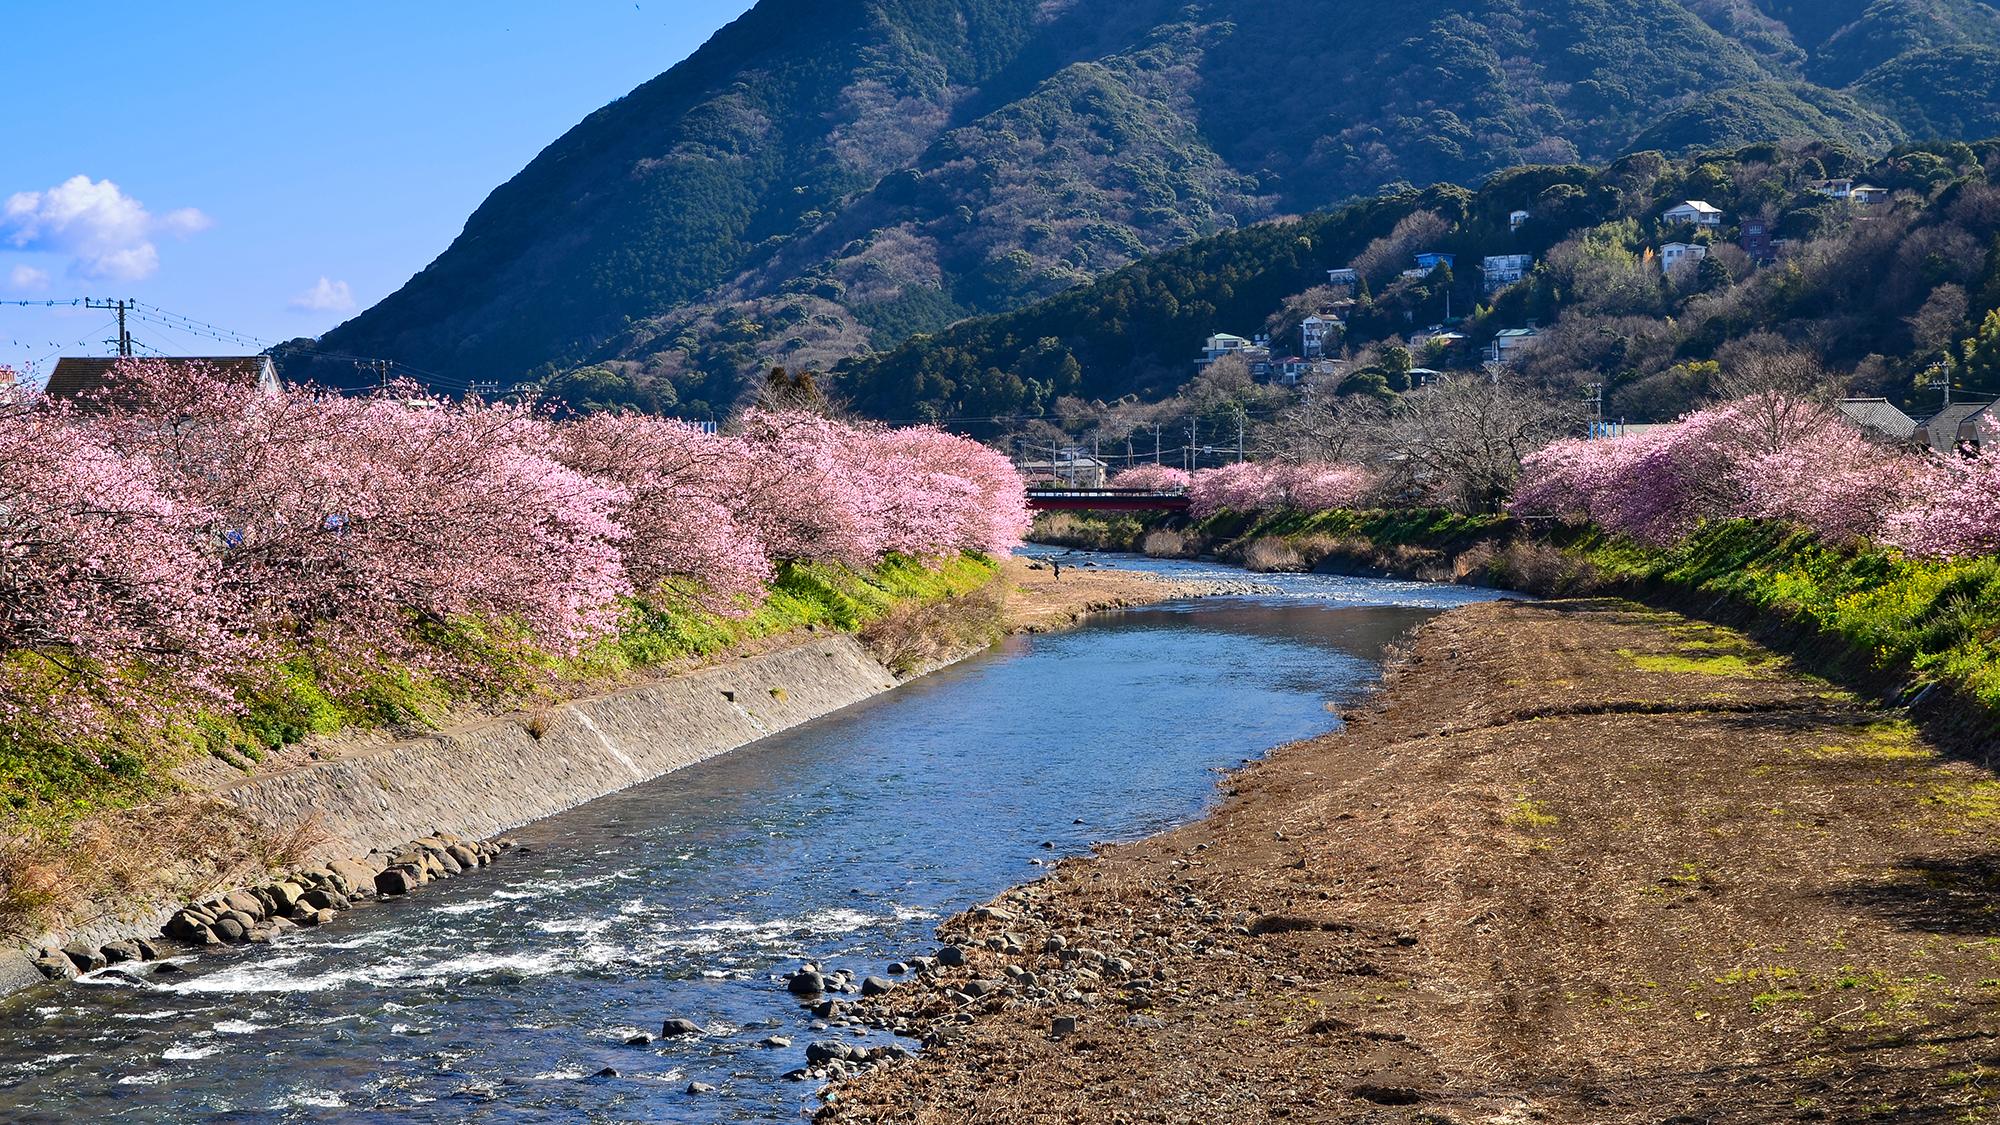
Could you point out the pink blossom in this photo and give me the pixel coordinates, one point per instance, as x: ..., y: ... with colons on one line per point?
x: 1158, y: 478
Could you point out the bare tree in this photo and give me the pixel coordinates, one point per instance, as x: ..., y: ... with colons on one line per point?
x: 1329, y: 427
x: 1386, y: 256
x: 1459, y: 443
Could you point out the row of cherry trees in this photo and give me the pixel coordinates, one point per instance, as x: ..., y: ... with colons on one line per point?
x: 166, y: 538
x: 1764, y: 456
x: 1771, y: 456
x: 1257, y: 486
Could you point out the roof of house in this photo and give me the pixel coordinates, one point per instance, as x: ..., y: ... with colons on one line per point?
x: 1699, y: 206
x: 82, y: 376
x: 1942, y: 430
x: 1228, y: 336
x: 1520, y: 333
x: 1880, y: 415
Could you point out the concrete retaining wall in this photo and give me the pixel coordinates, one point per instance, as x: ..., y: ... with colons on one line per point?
x: 498, y: 775
x: 484, y: 779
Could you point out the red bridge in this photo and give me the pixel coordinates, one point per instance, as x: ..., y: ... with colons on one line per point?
x: 1105, y: 500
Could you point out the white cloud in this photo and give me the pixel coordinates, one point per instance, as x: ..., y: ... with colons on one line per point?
x: 106, y: 234
x: 327, y: 296
x: 25, y: 278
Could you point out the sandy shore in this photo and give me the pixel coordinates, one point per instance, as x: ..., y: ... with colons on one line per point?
x: 1586, y: 862
x: 1039, y: 599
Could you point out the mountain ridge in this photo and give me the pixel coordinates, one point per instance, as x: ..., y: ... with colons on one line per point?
x: 822, y: 180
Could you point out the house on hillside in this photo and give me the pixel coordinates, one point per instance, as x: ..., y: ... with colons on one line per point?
x: 1868, y: 195
x: 87, y: 380
x: 1958, y: 428
x: 1695, y: 211
x: 1219, y: 345
x: 1436, y: 334
x: 1880, y: 417
x: 1511, y: 343
x: 1675, y: 255
x: 1347, y: 277
x: 1505, y: 269
x: 1757, y: 242
x: 1516, y: 220
x: 1834, y: 189
x: 1315, y: 331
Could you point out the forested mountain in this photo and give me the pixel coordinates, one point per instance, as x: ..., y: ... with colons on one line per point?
x: 1888, y: 297
x: 828, y: 176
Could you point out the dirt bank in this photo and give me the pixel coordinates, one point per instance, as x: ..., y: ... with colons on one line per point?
x: 1040, y: 600
x: 1587, y: 862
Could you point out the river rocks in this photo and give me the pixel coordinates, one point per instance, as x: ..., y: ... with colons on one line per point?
x: 120, y: 951
x: 639, y: 1040
x: 875, y: 986
x: 54, y: 965
x: 699, y: 1088
x: 1062, y: 1027
x: 775, y: 1042
x: 828, y: 1050
x: 951, y: 956
x: 307, y: 896
x: 806, y: 982
x: 677, y: 1028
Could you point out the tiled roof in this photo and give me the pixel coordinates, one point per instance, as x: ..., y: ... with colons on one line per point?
x: 1880, y: 415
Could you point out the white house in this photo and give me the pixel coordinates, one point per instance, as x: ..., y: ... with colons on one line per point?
x: 1516, y: 220
x: 1219, y: 345
x: 1868, y: 195
x: 1506, y: 269
x: 1834, y: 189
x: 1512, y: 342
x: 1674, y: 255
x: 1314, y: 332
x: 1694, y: 211
x: 1343, y: 277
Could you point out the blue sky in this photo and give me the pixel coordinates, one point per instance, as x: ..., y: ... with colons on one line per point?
x: 275, y: 167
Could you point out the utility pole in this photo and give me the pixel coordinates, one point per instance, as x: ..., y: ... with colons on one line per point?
x: 1594, y: 393
x: 1193, y: 428
x: 1239, y: 435
x: 1156, y: 443
x: 124, y: 337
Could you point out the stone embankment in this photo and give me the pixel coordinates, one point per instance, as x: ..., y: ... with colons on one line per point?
x: 308, y: 896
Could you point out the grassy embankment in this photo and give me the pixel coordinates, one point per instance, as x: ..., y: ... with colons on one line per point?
x: 84, y: 820
x: 1865, y: 614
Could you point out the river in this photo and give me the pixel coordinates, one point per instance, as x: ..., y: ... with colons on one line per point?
x: 500, y: 996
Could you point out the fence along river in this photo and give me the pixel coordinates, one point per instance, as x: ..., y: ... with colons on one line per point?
x: 502, y: 996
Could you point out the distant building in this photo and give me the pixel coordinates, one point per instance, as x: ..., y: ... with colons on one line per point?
x: 1757, y: 242
x: 1675, y: 255
x: 1347, y: 277
x: 1512, y: 342
x: 1425, y: 376
x: 1694, y: 211
x: 1071, y: 467
x: 1516, y: 220
x: 1880, y: 417
x: 1957, y: 428
x: 1293, y: 369
x: 1506, y: 269
x: 1436, y: 334
x: 1314, y: 331
x: 1430, y: 260
x: 1834, y: 189
x: 1868, y: 195
x: 1219, y: 345
x: 86, y: 380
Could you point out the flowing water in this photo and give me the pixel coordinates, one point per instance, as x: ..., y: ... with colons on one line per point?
x: 500, y: 996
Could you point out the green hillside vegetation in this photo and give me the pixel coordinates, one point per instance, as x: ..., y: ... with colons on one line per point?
x: 1884, y: 296
x: 821, y: 180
